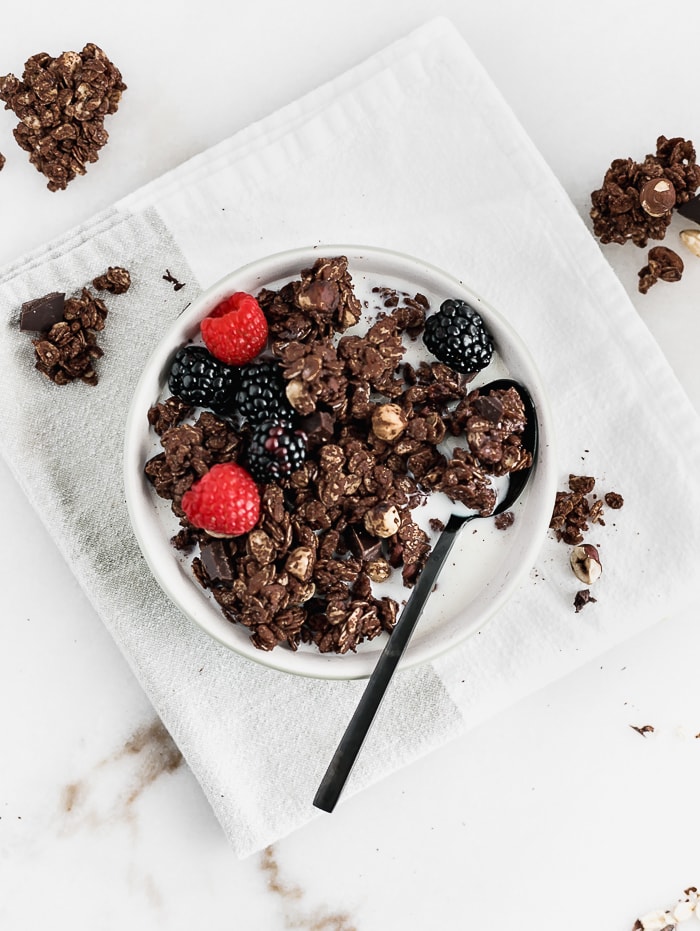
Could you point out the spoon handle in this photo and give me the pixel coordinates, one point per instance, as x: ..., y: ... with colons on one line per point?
x: 344, y: 757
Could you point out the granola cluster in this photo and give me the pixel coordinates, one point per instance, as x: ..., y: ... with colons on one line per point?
x: 61, y: 104
x: 66, y: 348
x: 116, y: 280
x: 617, y: 210
x: 343, y: 520
x: 578, y: 507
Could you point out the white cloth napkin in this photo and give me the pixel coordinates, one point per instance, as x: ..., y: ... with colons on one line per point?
x: 414, y: 150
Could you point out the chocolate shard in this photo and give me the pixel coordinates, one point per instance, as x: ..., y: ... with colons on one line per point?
x: 40, y: 314
x: 691, y: 209
x: 216, y: 561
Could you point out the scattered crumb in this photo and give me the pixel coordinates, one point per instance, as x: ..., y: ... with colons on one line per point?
x: 582, y: 599
x: 644, y: 730
x: 173, y: 280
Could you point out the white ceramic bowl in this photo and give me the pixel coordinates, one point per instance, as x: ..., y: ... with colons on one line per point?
x: 485, y: 565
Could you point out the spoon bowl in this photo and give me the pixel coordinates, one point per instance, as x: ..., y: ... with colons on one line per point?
x: 344, y: 758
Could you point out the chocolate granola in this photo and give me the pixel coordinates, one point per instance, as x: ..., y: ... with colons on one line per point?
x: 619, y: 209
x: 66, y: 348
x: 376, y: 427
x: 61, y: 104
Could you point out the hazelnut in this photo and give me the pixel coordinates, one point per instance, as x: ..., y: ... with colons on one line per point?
x: 318, y: 295
x: 383, y: 520
x: 300, y: 563
x: 388, y: 422
x: 299, y: 397
x: 585, y: 563
x: 378, y: 570
x: 691, y: 240
x: 657, y: 197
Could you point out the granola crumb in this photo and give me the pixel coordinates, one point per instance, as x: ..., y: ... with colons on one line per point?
x: 505, y: 520
x: 116, y: 280
x: 583, y: 598
x: 613, y: 500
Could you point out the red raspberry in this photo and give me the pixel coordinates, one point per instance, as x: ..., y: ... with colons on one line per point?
x: 224, y: 501
x: 236, y: 330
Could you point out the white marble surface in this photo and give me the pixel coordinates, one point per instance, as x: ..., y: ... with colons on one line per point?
x: 555, y: 814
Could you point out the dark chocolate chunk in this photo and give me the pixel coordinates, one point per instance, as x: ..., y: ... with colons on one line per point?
x: 362, y: 545
x: 490, y: 408
x: 691, y: 209
x: 216, y: 562
x: 318, y: 426
x: 40, y: 314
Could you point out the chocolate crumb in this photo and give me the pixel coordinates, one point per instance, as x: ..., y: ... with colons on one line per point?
x: 644, y: 730
x: 582, y: 599
x: 2, y: 161
x: 171, y: 279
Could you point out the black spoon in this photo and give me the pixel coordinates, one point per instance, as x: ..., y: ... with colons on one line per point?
x: 344, y: 757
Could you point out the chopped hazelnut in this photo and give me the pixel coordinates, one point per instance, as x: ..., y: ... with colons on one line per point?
x: 383, y: 520
x: 585, y: 563
x: 388, y: 422
x: 691, y: 240
x: 683, y: 910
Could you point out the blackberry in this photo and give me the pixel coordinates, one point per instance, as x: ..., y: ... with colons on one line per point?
x: 197, y: 378
x: 261, y: 393
x: 275, y: 451
x: 457, y: 336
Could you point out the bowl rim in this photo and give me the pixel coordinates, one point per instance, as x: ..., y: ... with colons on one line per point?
x: 273, y: 267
